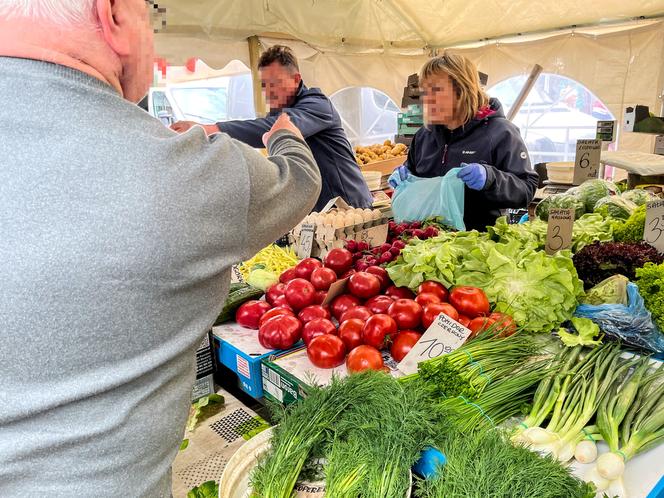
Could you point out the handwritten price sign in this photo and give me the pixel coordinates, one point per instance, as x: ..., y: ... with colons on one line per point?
x: 306, y: 243
x: 559, y: 231
x: 654, y: 229
x: 586, y: 165
x: 442, y: 337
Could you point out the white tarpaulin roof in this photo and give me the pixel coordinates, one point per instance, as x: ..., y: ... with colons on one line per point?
x: 613, y: 47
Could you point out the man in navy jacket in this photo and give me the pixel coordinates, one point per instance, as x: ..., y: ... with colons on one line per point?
x: 313, y: 113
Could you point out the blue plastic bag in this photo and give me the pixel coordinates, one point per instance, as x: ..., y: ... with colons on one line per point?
x: 631, y: 324
x: 417, y: 199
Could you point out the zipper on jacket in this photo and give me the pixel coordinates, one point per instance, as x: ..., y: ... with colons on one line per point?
x: 445, y: 154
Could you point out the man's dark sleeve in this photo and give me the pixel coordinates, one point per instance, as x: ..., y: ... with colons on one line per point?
x: 511, y: 181
x: 311, y: 116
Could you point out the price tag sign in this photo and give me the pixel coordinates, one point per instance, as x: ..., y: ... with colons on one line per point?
x: 306, y: 243
x: 374, y: 236
x: 442, y: 337
x: 654, y: 229
x: 559, y: 231
x: 586, y: 165
x: 236, y: 276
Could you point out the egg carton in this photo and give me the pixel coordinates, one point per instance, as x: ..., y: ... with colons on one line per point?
x: 332, y: 228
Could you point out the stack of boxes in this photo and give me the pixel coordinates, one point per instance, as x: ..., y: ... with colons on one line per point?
x: 412, y: 118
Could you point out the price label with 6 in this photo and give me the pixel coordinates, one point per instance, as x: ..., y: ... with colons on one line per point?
x: 586, y: 165
x: 442, y: 337
x: 654, y: 229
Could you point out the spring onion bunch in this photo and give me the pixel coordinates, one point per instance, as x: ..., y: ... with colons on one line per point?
x: 570, y: 400
x: 631, y: 420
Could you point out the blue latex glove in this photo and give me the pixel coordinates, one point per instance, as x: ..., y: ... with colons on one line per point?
x: 473, y: 175
x: 398, y: 175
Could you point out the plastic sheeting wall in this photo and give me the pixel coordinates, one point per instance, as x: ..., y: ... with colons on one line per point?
x: 621, y: 68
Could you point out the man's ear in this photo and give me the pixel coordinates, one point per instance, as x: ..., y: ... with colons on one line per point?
x: 111, y: 22
x: 298, y: 78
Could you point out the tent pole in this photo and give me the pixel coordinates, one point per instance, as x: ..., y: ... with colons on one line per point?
x: 254, y: 56
x: 523, y: 94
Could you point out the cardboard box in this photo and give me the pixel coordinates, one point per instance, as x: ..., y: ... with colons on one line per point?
x: 238, y: 349
x: 289, y: 377
x: 387, y: 166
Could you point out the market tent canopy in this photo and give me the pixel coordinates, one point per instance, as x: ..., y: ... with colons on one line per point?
x: 361, y: 26
x: 614, y: 48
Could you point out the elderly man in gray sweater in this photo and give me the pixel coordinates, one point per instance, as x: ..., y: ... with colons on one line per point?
x: 117, y: 236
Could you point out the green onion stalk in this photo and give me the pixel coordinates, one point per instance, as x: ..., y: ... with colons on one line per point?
x: 582, y: 391
x: 631, y: 421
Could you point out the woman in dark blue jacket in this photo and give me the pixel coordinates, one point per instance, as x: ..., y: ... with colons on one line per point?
x: 467, y: 129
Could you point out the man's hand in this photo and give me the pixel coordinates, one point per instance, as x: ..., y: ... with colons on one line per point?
x: 182, y: 126
x: 282, y: 123
x: 473, y: 175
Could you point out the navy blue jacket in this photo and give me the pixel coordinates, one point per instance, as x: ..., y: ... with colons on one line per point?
x: 313, y: 113
x: 492, y: 141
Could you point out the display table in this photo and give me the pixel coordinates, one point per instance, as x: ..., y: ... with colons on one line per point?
x: 213, y: 443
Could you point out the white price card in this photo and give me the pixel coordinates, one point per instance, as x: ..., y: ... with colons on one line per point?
x: 559, y: 230
x: 236, y: 276
x: 586, y: 164
x: 306, y: 242
x: 442, y: 337
x: 654, y: 229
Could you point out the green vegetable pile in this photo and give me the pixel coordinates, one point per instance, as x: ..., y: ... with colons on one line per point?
x: 639, y: 196
x: 632, y: 229
x: 586, y: 332
x: 538, y: 290
x: 587, y: 229
x: 615, y: 206
x: 650, y: 280
x: 582, y: 198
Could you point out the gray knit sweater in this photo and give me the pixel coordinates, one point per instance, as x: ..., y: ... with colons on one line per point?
x: 116, y: 240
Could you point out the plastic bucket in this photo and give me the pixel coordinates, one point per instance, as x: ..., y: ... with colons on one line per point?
x: 561, y: 172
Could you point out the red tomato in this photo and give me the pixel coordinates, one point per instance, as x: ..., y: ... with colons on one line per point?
x: 249, y: 314
x: 348, y: 274
x: 274, y: 312
x: 280, y: 332
x: 406, y: 312
x: 287, y: 276
x: 434, y: 288
x: 343, y: 303
x: 361, y: 312
x: 469, y: 301
x: 319, y: 297
x: 326, y: 351
x: 350, y: 331
x: 364, y: 358
x: 399, y: 292
x: 314, y: 328
x: 282, y: 302
x: 364, y: 285
x: 322, y: 278
x: 312, y: 312
x: 378, y: 330
x: 505, y: 324
x: 403, y: 343
x: 381, y: 273
x: 305, y: 267
x: 427, y: 298
x: 300, y: 293
x: 464, y: 320
x: 274, y: 291
x: 431, y: 311
x: 379, y: 304
x: 480, y: 324
x: 339, y: 260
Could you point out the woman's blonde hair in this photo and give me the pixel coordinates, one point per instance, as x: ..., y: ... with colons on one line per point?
x: 465, y: 81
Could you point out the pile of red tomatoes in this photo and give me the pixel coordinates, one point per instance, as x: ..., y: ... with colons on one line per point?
x: 368, y: 316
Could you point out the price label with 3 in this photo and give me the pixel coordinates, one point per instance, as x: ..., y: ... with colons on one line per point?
x: 442, y: 337
x: 653, y: 233
x: 559, y: 231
